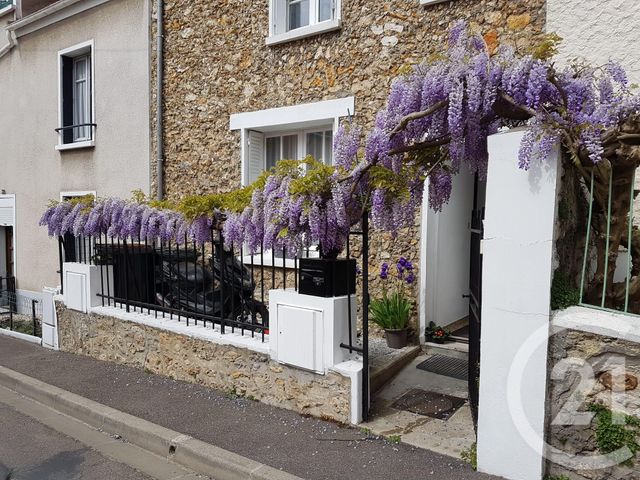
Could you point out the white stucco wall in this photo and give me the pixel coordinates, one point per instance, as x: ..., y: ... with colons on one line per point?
x: 597, y: 30
x: 30, y: 166
x: 445, y: 255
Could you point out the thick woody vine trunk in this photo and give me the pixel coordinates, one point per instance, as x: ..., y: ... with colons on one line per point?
x: 614, y: 181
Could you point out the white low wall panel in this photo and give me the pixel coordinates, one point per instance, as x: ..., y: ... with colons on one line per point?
x: 83, y: 283
x: 298, y: 337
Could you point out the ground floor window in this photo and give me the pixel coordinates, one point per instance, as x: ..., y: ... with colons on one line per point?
x: 291, y: 133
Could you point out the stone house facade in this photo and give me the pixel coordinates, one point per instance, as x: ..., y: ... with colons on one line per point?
x: 226, y: 58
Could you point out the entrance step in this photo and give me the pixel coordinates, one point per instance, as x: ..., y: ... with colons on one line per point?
x: 384, y: 369
x: 454, y: 349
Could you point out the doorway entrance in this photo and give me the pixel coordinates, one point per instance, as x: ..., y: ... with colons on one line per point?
x: 6, y: 252
x: 432, y: 402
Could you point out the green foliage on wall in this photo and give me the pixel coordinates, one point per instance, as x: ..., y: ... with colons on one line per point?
x: 563, y: 293
x: 470, y: 455
x: 613, y: 435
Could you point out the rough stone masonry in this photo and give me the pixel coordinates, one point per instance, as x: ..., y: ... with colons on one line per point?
x: 217, y: 64
x: 238, y: 371
x: 601, y: 354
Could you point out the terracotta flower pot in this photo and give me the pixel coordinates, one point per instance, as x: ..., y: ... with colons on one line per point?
x: 396, y: 338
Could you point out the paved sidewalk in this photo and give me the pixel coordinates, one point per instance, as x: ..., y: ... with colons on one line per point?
x: 306, y: 447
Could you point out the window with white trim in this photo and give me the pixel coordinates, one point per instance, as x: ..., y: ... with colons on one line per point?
x: 76, y: 106
x: 287, y: 133
x: 6, y: 6
x: 293, y: 19
x: 291, y: 133
x: 267, y: 149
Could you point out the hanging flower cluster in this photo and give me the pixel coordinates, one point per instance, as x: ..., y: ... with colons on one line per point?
x: 439, y: 115
x: 300, y: 204
x: 116, y: 218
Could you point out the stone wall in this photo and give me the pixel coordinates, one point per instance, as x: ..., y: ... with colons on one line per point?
x: 600, y: 353
x: 222, y: 367
x: 217, y: 64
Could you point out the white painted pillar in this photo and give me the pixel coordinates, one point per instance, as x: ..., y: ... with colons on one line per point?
x: 49, y: 319
x: 517, y: 268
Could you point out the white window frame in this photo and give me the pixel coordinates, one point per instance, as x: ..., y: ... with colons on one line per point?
x: 301, y: 119
x: 79, y: 50
x: 8, y: 9
x: 431, y: 2
x: 302, y: 139
x: 278, y: 19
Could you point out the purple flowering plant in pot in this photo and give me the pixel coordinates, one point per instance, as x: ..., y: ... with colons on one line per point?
x: 391, y: 312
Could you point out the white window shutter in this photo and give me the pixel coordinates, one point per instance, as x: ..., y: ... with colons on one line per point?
x: 6, y: 216
x: 255, y: 157
x: 279, y: 16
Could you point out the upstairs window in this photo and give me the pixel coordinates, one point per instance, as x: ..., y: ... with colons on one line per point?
x: 293, y: 19
x: 301, y: 13
x: 76, y: 122
x: 6, y: 6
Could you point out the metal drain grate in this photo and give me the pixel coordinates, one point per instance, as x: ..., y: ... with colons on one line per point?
x: 447, y: 366
x: 430, y: 404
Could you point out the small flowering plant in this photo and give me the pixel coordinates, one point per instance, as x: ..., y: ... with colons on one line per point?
x: 435, y: 333
x: 392, y: 311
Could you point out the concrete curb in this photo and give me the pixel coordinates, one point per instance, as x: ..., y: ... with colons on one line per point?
x: 182, y: 449
x: 21, y: 336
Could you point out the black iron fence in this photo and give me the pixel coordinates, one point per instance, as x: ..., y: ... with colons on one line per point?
x: 204, y: 285
x: 19, y: 313
x: 209, y: 285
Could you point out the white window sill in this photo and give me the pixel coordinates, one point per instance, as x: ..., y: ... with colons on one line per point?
x: 308, y: 31
x: 269, y: 261
x: 6, y: 10
x: 431, y: 2
x: 76, y: 145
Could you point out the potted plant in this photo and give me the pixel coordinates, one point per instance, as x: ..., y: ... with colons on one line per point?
x: 436, y: 334
x: 392, y: 311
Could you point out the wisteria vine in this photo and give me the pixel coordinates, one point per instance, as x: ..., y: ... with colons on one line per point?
x: 436, y: 122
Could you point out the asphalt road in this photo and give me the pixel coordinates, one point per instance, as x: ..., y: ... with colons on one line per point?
x: 36, y: 452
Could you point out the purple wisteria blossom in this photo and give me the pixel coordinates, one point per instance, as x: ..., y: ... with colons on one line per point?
x: 436, y: 122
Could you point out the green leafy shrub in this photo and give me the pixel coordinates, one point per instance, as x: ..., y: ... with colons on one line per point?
x: 563, y: 293
x: 470, y: 455
x: 612, y: 436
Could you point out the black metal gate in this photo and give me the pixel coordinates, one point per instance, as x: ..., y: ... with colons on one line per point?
x: 475, y: 298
